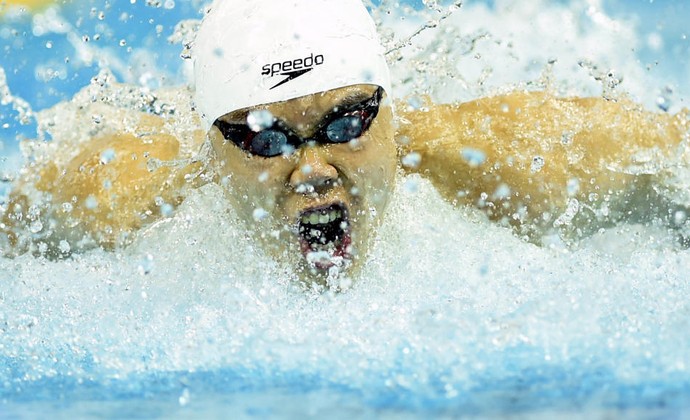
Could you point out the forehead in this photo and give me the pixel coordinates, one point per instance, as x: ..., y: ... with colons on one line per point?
x: 311, y: 108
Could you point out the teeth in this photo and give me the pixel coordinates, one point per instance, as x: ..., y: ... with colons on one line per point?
x: 317, y: 218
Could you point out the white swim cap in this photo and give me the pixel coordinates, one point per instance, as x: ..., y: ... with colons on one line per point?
x: 253, y: 52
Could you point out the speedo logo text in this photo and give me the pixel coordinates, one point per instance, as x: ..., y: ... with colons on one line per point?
x: 292, y: 68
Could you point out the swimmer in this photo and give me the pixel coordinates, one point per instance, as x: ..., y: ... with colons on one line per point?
x: 298, y: 124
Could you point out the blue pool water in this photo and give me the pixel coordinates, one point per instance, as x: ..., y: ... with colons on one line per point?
x: 452, y: 316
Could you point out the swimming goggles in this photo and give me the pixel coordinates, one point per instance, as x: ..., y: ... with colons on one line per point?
x: 341, y: 125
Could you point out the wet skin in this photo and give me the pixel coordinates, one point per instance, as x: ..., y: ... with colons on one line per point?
x: 273, y: 193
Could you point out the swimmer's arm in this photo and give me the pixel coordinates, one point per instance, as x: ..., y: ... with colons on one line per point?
x: 103, y: 193
x: 523, y: 156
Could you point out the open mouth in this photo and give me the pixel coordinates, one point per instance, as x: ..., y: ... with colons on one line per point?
x: 324, y: 234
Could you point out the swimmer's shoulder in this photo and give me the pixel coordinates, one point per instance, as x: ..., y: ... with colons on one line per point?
x: 119, y: 168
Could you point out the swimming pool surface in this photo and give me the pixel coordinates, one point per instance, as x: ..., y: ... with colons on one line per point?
x: 452, y: 316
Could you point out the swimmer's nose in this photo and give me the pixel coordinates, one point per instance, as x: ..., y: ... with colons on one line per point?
x: 313, y: 169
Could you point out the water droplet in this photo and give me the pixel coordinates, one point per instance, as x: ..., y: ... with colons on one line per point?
x: 184, y: 398
x: 502, y: 192
x: 412, y: 160
x: 411, y: 185
x: 567, y: 138
x: 36, y: 226
x: 259, y: 120
x: 306, y: 169
x: 107, y: 156
x: 414, y: 103
x: 186, y: 53
x: 91, y: 202
x: 664, y: 101
x: 573, y: 186
x: 569, y: 214
x: 153, y: 164
x: 662, y: 104
x: 537, y: 164
x: 474, y: 157
x: 123, y: 42
x: 679, y: 217
x: 64, y: 247
x: 145, y: 265
x: 259, y: 214
x: 167, y: 210
x: 263, y: 176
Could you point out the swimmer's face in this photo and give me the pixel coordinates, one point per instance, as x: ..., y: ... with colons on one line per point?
x: 322, y: 190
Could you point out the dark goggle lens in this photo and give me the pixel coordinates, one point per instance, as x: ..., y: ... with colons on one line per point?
x: 345, y: 129
x: 268, y: 143
x: 278, y: 139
